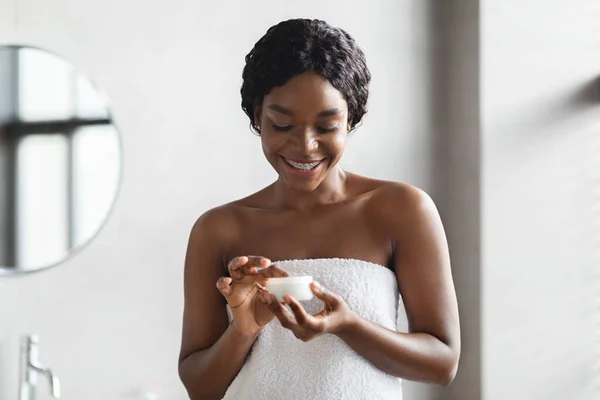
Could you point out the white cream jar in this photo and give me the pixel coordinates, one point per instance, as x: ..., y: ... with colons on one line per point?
x: 296, y: 286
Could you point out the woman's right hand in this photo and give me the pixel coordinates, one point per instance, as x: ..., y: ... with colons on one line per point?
x: 247, y: 281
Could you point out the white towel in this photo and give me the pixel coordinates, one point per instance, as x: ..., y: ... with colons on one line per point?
x: 282, y: 367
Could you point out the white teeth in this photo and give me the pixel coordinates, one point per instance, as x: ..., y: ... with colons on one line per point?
x: 302, y: 166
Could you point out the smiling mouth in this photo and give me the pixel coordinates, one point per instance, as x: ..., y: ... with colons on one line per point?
x: 303, y: 166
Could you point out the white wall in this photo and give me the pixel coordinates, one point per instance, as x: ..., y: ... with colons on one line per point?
x: 541, y: 181
x: 109, y: 318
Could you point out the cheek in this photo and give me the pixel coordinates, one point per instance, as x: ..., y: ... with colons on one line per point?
x: 271, y: 144
x: 339, y: 143
x: 266, y: 147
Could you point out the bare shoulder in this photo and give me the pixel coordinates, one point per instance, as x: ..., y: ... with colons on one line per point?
x: 400, y: 205
x: 396, y: 195
x: 403, y: 196
x: 218, y: 223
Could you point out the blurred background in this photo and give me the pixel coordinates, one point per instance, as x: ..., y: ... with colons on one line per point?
x: 491, y: 106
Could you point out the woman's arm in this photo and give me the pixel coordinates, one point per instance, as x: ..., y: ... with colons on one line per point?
x: 212, y: 350
x: 206, y: 374
x: 418, y: 357
x: 430, y: 352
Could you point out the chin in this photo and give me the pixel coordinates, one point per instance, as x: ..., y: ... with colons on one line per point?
x: 306, y: 187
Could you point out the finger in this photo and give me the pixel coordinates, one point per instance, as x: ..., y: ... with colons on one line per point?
x: 224, y: 286
x: 302, y: 317
x: 235, y: 265
x: 255, y: 264
x: 273, y: 271
x: 246, y: 266
x: 283, y: 314
x: 324, y: 294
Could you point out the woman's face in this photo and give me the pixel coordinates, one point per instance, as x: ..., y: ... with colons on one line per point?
x: 304, y: 126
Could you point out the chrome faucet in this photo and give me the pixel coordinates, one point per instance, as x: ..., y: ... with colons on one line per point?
x: 31, y: 369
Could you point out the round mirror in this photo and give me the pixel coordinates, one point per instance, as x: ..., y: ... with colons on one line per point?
x: 60, y: 160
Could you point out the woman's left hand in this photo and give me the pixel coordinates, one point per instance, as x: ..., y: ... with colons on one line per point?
x: 336, y: 314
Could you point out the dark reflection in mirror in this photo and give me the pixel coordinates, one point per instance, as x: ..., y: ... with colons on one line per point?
x: 60, y: 159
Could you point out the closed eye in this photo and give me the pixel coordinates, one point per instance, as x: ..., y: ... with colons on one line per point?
x: 285, y: 128
x: 282, y: 128
x: 327, y: 130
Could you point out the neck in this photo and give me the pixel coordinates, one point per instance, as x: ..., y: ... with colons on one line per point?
x: 331, y: 190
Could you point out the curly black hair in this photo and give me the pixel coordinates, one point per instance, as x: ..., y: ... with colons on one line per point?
x: 297, y: 46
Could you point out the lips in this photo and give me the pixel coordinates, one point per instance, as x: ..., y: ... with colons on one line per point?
x: 302, y: 161
x: 304, y: 165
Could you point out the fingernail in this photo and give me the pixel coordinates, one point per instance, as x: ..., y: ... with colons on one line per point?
x: 318, y: 286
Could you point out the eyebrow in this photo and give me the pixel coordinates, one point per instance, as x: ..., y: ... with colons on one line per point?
x: 326, y: 113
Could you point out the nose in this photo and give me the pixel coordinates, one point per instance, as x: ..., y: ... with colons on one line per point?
x: 306, y: 141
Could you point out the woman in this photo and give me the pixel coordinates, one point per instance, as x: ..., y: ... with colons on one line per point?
x: 365, y: 241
